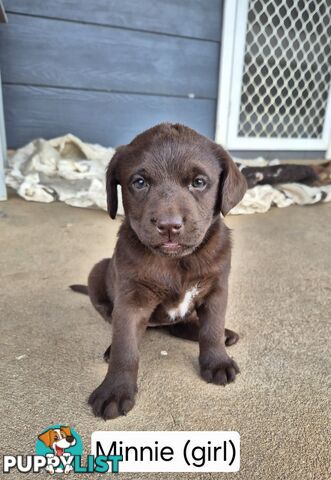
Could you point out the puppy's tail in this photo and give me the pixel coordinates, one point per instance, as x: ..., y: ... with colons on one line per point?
x: 79, y: 288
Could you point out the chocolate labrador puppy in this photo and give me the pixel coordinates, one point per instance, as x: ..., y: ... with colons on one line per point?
x: 172, y: 258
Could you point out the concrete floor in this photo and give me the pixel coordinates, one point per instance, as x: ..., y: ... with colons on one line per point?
x: 52, y: 341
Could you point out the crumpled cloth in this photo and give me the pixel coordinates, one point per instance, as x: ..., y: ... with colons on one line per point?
x: 64, y: 169
x: 261, y: 198
x: 71, y: 171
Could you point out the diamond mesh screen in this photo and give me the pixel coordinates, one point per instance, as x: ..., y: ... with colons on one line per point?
x: 287, y: 69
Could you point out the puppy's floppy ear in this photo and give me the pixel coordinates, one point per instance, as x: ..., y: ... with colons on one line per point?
x: 232, y: 184
x: 45, y: 438
x: 111, y: 183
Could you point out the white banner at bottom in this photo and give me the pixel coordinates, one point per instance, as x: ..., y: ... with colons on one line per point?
x: 170, y: 451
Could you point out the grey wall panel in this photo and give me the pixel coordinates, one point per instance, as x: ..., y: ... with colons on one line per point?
x: 192, y: 18
x: 106, y: 118
x: 280, y: 154
x: 47, y: 52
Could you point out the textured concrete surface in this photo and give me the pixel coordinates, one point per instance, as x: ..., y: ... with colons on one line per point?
x: 52, y: 341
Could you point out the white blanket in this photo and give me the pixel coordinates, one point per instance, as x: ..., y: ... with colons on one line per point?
x: 69, y: 170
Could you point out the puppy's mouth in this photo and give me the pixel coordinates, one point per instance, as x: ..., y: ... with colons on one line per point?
x: 172, y: 248
x: 59, y: 450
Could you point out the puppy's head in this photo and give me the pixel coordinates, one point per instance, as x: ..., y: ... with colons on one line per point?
x: 58, y: 438
x: 174, y: 182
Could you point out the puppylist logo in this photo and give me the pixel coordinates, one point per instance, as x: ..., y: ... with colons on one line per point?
x: 59, y: 449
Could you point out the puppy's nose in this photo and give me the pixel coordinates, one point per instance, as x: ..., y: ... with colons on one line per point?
x: 70, y: 438
x: 169, y: 225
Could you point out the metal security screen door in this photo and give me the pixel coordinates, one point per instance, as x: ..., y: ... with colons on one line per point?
x: 275, y: 75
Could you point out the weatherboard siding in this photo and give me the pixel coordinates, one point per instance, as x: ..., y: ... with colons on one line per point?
x: 105, y: 70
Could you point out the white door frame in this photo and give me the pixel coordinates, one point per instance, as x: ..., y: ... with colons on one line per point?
x: 3, y: 144
x: 3, y: 150
x: 230, y: 79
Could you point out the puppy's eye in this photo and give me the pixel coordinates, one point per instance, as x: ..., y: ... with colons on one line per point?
x: 139, y: 183
x: 199, y: 183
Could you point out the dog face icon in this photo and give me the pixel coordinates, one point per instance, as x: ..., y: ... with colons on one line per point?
x: 58, y: 439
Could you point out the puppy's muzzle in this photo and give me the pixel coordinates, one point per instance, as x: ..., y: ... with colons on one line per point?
x: 168, y: 226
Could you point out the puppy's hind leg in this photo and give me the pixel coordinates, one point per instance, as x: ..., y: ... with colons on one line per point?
x: 106, y: 355
x: 97, y: 289
x: 231, y: 337
x: 190, y: 331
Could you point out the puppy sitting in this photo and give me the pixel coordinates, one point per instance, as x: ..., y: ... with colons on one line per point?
x: 172, y: 258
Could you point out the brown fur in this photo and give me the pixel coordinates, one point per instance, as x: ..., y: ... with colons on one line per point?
x: 175, y: 183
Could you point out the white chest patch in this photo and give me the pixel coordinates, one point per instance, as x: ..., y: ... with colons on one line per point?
x: 182, y: 309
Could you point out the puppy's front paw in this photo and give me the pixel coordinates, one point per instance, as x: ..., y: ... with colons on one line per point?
x: 112, y: 399
x: 220, y: 371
